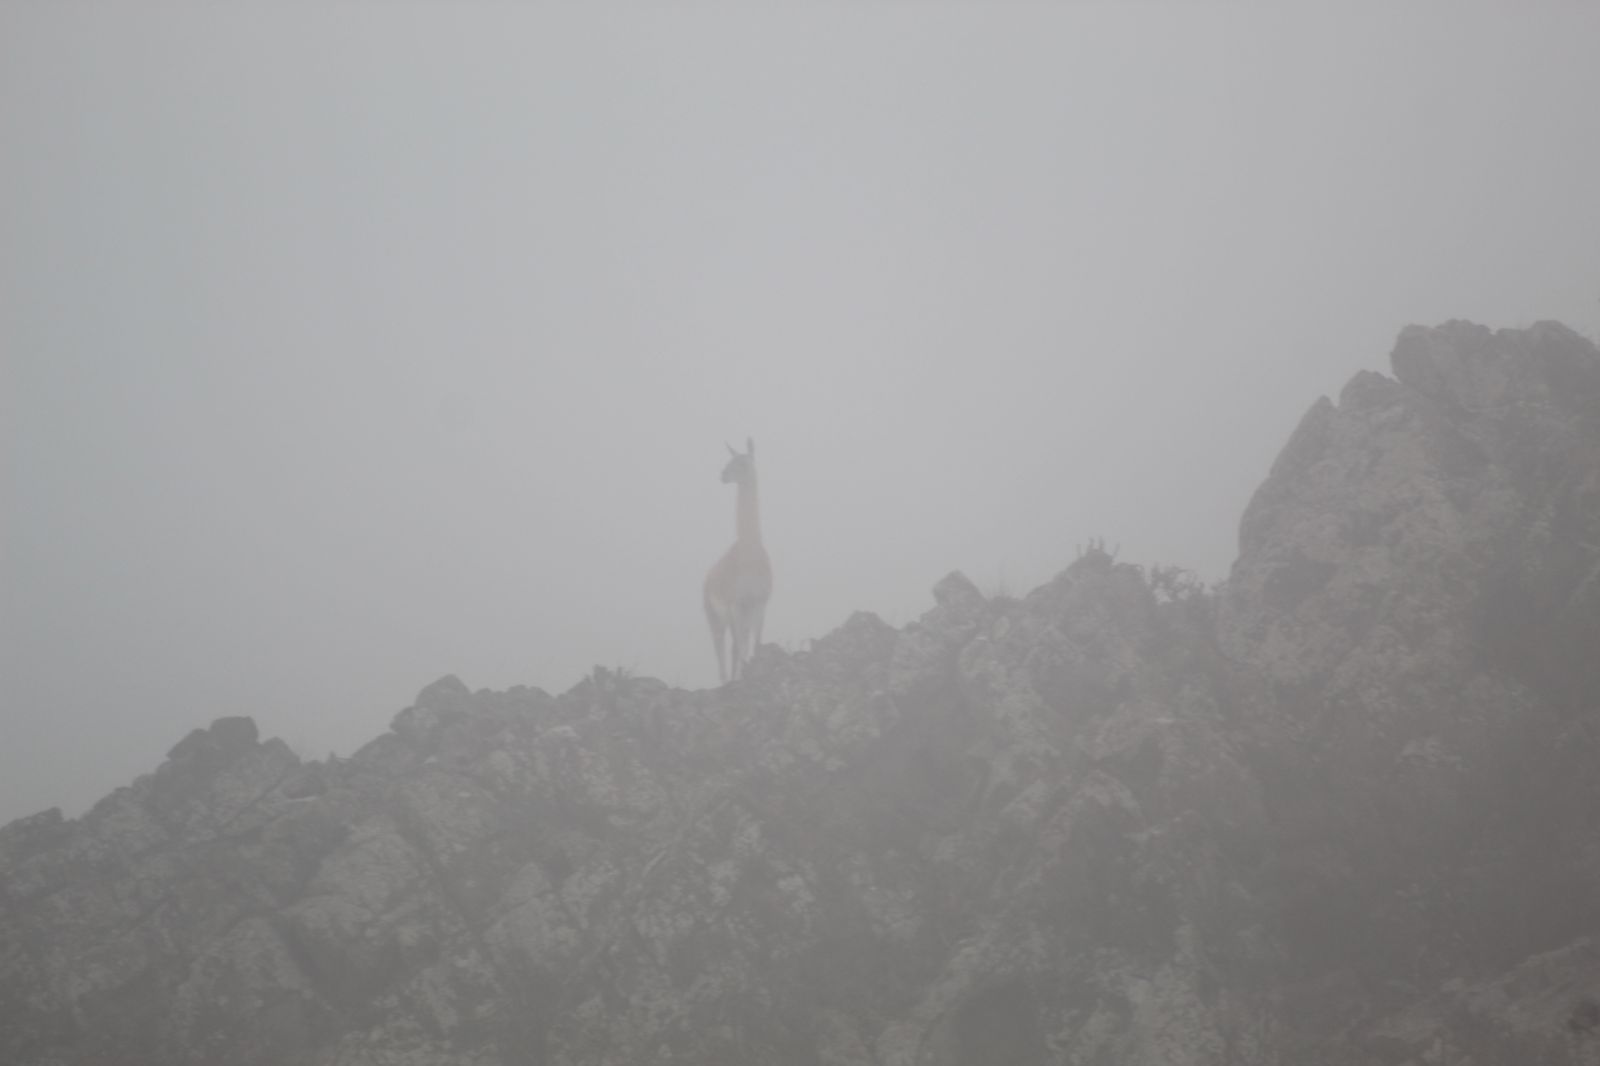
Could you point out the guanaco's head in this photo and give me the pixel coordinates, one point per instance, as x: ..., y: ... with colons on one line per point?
x: 741, y: 467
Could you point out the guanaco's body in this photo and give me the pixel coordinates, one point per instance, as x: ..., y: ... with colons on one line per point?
x: 739, y: 585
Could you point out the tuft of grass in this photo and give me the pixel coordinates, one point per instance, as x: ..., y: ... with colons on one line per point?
x: 1175, y: 584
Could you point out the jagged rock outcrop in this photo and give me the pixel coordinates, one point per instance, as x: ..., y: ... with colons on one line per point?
x: 1342, y: 811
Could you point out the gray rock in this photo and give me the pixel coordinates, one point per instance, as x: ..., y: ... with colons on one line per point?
x: 1339, y: 811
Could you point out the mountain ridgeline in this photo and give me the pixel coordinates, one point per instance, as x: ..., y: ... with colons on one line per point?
x: 1341, y: 810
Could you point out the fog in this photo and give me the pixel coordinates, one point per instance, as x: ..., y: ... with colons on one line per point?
x: 345, y: 347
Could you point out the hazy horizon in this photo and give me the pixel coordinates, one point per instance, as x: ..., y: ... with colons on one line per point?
x: 349, y: 347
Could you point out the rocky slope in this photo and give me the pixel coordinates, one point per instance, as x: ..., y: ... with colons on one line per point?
x: 1345, y: 810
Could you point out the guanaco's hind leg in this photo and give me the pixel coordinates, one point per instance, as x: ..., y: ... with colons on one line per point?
x: 740, y: 635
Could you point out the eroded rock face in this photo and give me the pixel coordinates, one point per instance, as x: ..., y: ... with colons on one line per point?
x: 1404, y: 587
x: 1341, y: 812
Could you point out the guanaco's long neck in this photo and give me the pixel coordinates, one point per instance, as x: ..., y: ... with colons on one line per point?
x: 747, y: 514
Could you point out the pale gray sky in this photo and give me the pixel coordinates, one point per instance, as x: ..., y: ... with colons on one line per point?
x: 347, y: 346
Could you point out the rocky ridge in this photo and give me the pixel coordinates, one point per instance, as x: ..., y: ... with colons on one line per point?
x: 1341, y: 811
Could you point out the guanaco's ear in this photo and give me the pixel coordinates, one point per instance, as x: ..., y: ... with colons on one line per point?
x: 750, y: 447
x: 728, y: 446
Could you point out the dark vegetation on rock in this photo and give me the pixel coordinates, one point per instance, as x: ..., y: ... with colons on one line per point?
x: 1343, y: 810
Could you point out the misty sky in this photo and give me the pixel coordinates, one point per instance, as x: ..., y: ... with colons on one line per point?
x: 343, y: 347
